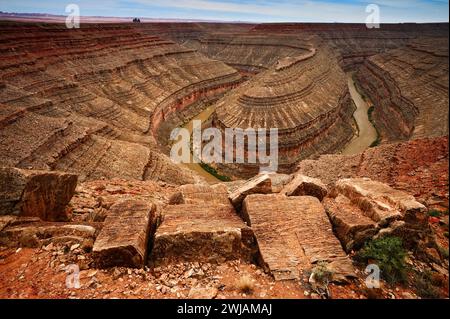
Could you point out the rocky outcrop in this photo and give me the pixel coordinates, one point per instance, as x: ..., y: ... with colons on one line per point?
x: 33, y: 193
x: 418, y: 167
x: 293, y: 235
x: 303, y: 185
x: 33, y: 233
x: 364, y: 209
x: 123, y: 240
x: 203, y: 226
x: 260, y: 184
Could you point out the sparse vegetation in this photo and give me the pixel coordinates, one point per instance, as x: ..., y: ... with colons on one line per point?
x: 370, y: 115
x: 443, y: 252
x: 424, y: 285
x: 246, y: 284
x: 388, y: 253
x: 213, y: 171
x: 321, y: 273
x: 434, y: 213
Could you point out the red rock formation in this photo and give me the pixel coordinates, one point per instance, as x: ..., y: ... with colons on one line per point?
x: 89, y: 100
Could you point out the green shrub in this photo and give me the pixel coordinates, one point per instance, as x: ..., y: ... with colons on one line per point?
x: 389, y: 254
x: 443, y: 251
x: 370, y: 115
x: 213, y: 171
x: 434, y: 213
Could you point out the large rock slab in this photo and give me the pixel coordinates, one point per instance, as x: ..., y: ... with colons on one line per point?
x: 350, y: 225
x: 206, y: 232
x: 198, y: 194
x: 361, y: 209
x: 34, y: 233
x: 381, y: 202
x: 43, y: 194
x: 303, y: 185
x: 123, y: 240
x: 293, y: 235
x: 260, y: 184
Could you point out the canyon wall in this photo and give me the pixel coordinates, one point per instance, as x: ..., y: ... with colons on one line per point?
x: 91, y: 100
x: 305, y: 97
x: 409, y: 89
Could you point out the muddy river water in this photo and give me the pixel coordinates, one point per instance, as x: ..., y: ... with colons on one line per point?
x: 367, y: 133
x: 364, y: 138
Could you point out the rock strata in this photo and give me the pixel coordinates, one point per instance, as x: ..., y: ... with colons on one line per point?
x: 123, y: 240
x: 294, y: 234
x: 364, y: 209
x: 33, y: 193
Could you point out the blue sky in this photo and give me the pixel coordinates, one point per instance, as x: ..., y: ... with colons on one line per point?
x: 246, y: 10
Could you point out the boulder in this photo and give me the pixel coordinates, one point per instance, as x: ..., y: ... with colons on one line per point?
x: 381, y: 202
x: 43, y: 194
x: 361, y: 209
x: 123, y: 240
x: 34, y: 233
x: 207, y: 232
x: 260, y: 184
x: 350, y: 225
x: 303, y: 185
x: 199, y: 193
x: 293, y: 235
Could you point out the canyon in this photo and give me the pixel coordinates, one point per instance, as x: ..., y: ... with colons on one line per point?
x: 86, y: 178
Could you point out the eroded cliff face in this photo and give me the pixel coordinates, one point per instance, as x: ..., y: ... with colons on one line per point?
x: 102, y: 100
x: 409, y: 89
x: 91, y: 100
x: 305, y: 97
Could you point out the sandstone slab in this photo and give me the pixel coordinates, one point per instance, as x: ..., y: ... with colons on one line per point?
x: 198, y: 193
x: 293, y: 234
x: 34, y: 234
x: 206, y: 232
x: 123, y: 240
x: 350, y: 225
x: 303, y: 185
x: 381, y: 202
x: 43, y: 194
x: 361, y: 209
x: 260, y: 184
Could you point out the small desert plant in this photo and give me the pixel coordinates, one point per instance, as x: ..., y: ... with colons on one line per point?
x: 388, y: 254
x: 321, y: 273
x: 423, y: 283
x: 246, y: 284
x: 434, y: 213
x: 443, y: 252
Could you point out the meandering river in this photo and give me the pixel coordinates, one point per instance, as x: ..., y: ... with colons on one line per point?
x: 365, y: 137
x: 367, y: 133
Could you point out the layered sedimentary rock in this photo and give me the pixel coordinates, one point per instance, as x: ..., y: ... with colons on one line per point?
x: 305, y: 97
x: 419, y: 167
x: 123, y: 240
x: 356, y: 42
x: 294, y: 234
x: 92, y: 100
x: 32, y: 193
x: 409, y: 89
x: 304, y: 185
x: 363, y: 209
x: 195, y: 229
x: 33, y: 233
